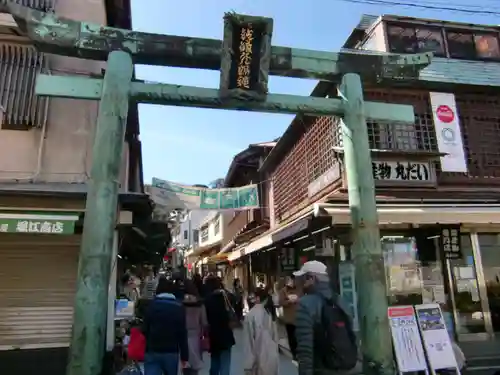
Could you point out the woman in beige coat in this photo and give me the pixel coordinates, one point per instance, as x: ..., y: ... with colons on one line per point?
x: 260, y: 337
x: 196, y: 323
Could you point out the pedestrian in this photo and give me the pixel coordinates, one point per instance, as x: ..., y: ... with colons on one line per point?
x: 179, y: 280
x: 198, y: 281
x: 220, y: 333
x: 165, y: 331
x: 326, y: 342
x: 238, y: 296
x: 130, y: 289
x: 149, y: 285
x: 260, y: 337
x: 196, y: 322
x: 288, y: 299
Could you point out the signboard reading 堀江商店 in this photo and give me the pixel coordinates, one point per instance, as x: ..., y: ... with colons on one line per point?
x: 42, y: 226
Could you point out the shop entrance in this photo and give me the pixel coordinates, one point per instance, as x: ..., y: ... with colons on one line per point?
x: 418, y: 272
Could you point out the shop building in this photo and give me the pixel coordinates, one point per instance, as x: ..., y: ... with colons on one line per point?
x: 46, y: 150
x: 437, y: 181
x: 243, y: 225
x: 210, y: 234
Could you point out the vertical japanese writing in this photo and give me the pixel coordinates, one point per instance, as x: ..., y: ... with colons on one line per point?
x: 450, y: 242
x: 245, y: 57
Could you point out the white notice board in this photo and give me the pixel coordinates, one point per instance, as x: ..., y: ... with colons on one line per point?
x: 408, y: 348
x: 435, y: 336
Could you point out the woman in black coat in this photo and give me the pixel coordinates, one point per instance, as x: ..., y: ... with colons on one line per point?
x: 220, y: 333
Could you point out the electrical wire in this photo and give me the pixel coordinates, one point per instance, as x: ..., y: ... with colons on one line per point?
x: 429, y: 6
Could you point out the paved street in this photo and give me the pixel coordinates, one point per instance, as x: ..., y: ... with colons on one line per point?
x: 287, y: 367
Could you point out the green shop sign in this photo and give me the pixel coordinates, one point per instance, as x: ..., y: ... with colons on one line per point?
x: 47, y: 223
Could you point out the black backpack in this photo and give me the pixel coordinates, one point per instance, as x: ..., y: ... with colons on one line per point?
x: 335, y: 344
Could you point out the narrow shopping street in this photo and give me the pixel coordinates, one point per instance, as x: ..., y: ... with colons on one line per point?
x: 286, y: 368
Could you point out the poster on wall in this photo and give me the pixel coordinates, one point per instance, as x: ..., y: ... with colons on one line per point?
x: 435, y: 337
x: 406, y: 340
x: 347, y: 281
x: 448, y: 134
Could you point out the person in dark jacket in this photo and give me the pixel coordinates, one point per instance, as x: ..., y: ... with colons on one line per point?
x: 314, y: 279
x: 165, y: 331
x: 220, y: 334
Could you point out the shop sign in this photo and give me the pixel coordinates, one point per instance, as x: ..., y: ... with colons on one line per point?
x: 347, y: 281
x: 287, y: 259
x: 402, y: 171
x: 406, y: 339
x: 450, y: 242
x: 46, y: 226
x: 323, y: 181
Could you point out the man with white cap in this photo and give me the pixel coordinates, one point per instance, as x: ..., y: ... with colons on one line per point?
x: 314, y: 332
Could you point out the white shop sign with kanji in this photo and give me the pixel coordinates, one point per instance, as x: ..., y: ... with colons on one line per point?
x: 402, y: 171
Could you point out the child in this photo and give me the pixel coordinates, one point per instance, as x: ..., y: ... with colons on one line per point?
x: 260, y: 337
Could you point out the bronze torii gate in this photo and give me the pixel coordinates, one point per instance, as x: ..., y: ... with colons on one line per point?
x: 245, y: 58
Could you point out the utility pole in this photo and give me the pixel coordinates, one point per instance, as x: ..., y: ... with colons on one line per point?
x: 366, y: 247
x: 249, y: 92
x: 94, y: 267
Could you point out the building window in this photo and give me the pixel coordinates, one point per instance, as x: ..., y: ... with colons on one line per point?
x: 415, y: 40
x: 467, y: 45
x: 196, y: 234
x: 204, y: 234
x: 461, y: 45
x: 185, y: 234
x: 217, y: 226
x: 487, y: 46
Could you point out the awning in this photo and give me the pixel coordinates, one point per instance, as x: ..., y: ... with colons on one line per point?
x: 218, y: 258
x: 271, y: 237
x: 425, y: 213
x: 38, y: 222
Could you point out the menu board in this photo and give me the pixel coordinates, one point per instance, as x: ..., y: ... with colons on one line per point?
x: 435, y: 337
x: 406, y: 339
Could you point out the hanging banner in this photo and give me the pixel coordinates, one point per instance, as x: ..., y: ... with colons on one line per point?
x: 177, y: 196
x: 406, y: 339
x: 435, y: 336
x: 448, y: 134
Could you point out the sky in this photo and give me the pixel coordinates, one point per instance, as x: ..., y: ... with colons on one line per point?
x: 196, y: 146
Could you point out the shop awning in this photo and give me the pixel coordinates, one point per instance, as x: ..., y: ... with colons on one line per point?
x: 425, y: 213
x: 38, y: 222
x: 267, y: 239
x: 218, y: 258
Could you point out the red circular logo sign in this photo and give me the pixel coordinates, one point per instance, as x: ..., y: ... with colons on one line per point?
x: 445, y: 114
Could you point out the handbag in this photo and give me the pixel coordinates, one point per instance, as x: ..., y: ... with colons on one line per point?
x: 233, y: 318
x: 204, y: 342
x: 137, y: 345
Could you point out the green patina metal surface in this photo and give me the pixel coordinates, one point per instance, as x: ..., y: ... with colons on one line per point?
x: 96, y: 254
x: 58, y: 35
x: 366, y: 247
x: 186, y: 96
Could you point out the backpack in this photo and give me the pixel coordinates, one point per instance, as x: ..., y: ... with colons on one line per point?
x: 335, y: 343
